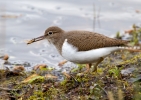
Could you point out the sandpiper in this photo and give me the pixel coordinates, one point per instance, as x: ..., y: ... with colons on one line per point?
x: 83, y: 47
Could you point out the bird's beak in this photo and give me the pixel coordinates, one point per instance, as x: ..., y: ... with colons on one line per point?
x: 36, y: 39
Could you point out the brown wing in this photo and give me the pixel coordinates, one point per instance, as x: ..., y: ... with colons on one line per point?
x: 85, y: 40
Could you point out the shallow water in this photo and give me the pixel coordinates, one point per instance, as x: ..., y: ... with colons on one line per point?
x: 25, y: 20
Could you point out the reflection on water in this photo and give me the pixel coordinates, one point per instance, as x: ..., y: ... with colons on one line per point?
x: 25, y: 20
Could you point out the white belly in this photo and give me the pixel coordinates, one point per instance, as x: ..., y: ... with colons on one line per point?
x: 71, y: 53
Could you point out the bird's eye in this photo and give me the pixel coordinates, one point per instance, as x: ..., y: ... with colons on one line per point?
x: 50, y: 32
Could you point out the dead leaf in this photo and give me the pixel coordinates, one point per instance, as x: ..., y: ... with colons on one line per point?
x: 138, y: 11
x: 49, y: 76
x: 62, y: 63
x: 6, y: 57
x: 18, y: 69
x: 33, y: 78
x: 11, y: 16
x: 40, y: 66
x: 67, y: 75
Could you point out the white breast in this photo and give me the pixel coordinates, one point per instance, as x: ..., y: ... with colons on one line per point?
x: 71, y: 53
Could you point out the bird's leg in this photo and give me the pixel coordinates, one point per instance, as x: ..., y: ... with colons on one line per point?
x: 62, y: 63
x: 88, y: 66
x: 94, y: 69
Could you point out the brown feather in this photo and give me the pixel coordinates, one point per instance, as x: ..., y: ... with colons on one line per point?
x: 86, y: 40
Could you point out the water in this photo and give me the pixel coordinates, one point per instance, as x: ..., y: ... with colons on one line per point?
x: 24, y: 19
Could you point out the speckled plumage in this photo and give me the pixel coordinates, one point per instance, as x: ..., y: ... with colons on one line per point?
x: 83, y: 40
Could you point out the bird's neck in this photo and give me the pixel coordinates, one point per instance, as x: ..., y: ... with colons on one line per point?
x: 58, y: 42
x: 59, y: 45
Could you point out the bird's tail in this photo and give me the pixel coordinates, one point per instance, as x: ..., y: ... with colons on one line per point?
x: 131, y: 48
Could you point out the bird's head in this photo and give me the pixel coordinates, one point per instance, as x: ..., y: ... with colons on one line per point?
x: 52, y: 34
